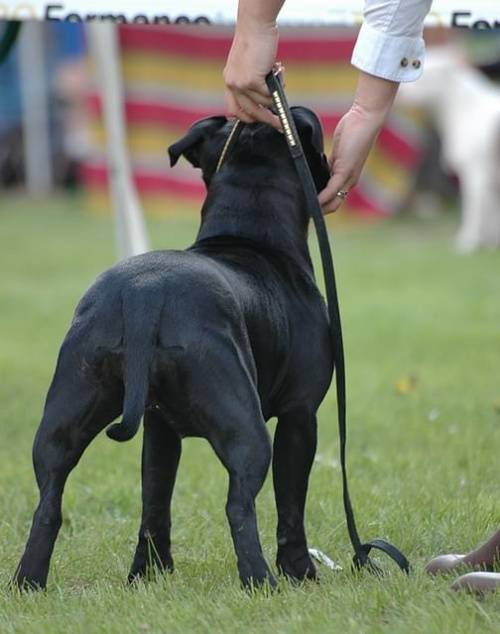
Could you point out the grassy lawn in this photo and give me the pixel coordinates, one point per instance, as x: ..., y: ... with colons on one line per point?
x: 423, y: 461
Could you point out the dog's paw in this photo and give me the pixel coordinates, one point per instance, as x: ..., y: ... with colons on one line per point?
x: 29, y: 576
x: 297, y: 568
x: 148, y: 570
x: 261, y: 583
x: 152, y: 558
x: 23, y: 583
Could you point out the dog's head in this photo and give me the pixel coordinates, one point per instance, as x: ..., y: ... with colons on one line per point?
x: 257, y: 149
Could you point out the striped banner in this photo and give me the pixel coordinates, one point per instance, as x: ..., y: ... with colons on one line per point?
x: 172, y: 77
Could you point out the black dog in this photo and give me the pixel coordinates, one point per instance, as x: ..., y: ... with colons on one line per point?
x: 210, y: 342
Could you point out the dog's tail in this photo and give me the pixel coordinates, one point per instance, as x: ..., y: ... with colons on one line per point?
x: 139, y: 341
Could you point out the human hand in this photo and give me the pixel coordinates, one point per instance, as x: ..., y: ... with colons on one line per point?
x: 252, y: 56
x: 354, y: 137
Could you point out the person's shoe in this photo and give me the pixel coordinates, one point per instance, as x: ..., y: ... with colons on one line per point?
x: 443, y: 564
x: 477, y: 582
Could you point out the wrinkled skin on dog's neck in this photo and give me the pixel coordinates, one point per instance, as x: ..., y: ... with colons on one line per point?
x: 252, y: 212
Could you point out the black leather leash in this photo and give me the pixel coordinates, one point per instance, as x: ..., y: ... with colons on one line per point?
x: 361, y: 558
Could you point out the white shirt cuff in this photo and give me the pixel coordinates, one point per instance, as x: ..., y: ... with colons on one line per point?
x: 391, y: 57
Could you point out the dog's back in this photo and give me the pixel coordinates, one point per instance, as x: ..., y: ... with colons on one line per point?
x: 149, y: 317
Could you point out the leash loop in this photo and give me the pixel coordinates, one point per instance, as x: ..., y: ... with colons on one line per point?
x: 362, y: 551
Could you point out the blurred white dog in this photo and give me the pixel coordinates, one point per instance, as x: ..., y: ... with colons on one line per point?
x: 465, y: 109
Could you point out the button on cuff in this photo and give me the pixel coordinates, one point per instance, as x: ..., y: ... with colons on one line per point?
x: 390, y: 57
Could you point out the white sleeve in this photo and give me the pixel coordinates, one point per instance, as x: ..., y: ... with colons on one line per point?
x: 390, y: 43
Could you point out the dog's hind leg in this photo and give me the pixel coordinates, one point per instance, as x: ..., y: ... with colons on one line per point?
x: 75, y: 412
x: 232, y: 415
x: 294, y: 450
x: 242, y: 443
x: 244, y: 448
x: 160, y: 458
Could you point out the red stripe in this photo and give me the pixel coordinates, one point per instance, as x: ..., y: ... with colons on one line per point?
x: 362, y: 205
x: 95, y: 177
x: 155, y: 113
x: 165, y: 39
x: 314, y: 50
x: 197, y: 43
x: 177, y: 118
x: 395, y: 145
x: 329, y: 121
x: 398, y: 147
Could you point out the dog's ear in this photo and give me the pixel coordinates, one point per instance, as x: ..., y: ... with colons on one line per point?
x: 311, y: 135
x: 309, y: 127
x: 190, y: 145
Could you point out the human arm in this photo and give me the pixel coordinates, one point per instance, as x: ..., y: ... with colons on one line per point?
x: 355, y: 135
x: 389, y: 49
x: 252, y: 55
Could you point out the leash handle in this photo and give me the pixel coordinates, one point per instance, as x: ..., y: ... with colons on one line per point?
x: 361, y: 557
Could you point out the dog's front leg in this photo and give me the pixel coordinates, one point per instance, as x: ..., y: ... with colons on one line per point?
x: 160, y: 458
x: 294, y: 450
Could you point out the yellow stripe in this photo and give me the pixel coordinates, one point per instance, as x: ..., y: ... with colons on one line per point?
x: 387, y: 172
x: 97, y: 202
x: 141, y: 138
x: 144, y: 68
x: 154, y: 141
x: 415, y: 116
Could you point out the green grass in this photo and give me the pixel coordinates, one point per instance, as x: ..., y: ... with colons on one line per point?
x: 423, y: 466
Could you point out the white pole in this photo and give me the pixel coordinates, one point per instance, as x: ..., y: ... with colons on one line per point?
x: 131, y: 237
x: 35, y: 110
